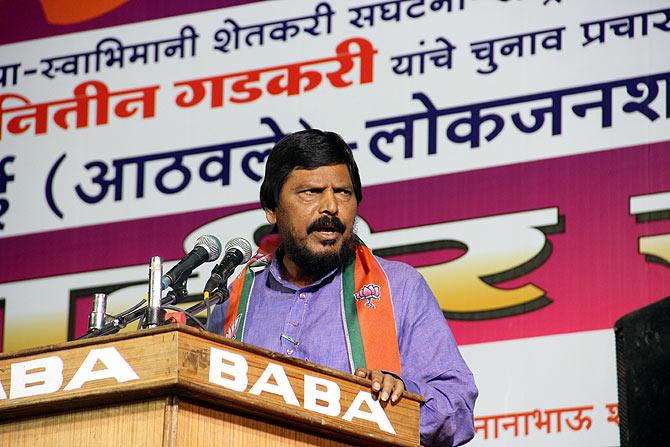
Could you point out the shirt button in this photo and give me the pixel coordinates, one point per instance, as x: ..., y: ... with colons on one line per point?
x: 289, y: 351
x: 302, y: 296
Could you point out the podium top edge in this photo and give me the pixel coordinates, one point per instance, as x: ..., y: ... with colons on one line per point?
x: 180, y: 328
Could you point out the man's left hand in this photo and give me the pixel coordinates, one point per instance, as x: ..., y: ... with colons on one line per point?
x: 387, y: 385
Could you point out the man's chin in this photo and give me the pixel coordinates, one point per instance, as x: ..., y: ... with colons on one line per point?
x: 317, y: 255
x: 325, y: 248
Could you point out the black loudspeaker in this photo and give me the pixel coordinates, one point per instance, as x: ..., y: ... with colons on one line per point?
x: 643, y: 375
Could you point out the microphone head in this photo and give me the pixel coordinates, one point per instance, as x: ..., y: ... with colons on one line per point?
x: 211, y: 244
x: 242, y: 245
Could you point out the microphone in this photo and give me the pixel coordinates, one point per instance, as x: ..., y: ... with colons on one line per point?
x: 238, y: 251
x: 207, y: 248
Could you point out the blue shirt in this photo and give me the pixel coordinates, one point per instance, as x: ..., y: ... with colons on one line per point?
x: 306, y: 323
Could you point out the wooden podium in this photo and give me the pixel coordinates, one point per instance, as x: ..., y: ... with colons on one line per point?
x: 179, y: 386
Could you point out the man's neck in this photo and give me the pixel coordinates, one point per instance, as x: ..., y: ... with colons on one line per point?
x: 294, y: 274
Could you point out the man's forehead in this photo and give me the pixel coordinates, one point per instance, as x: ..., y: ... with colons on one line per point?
x: 338, y: 173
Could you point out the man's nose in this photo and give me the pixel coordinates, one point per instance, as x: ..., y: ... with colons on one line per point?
x: 328, y: 204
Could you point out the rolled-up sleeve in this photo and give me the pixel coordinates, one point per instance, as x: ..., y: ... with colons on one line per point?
x: 433, y: 367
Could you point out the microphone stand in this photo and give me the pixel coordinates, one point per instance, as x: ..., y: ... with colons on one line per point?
x: 124, y: 318
x: 154, y: 314
x: 151, y: 310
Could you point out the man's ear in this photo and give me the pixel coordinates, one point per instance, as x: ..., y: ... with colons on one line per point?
x: 270, y: 216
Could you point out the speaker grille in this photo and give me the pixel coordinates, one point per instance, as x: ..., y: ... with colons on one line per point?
x: 643, y: 375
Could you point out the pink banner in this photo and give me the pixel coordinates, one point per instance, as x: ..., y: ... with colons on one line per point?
x: 592, y: 273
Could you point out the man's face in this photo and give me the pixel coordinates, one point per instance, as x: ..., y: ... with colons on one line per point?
x: 316, y: 211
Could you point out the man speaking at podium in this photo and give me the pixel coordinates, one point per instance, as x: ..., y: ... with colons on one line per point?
x: 322, y: 295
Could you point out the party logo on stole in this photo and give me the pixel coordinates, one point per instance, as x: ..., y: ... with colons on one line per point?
x: 368, y: 292
x: 232, y: 330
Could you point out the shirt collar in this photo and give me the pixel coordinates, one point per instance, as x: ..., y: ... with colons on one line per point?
x: 276, y: 275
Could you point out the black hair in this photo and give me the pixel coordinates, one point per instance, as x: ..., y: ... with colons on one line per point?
x: 307, y: 149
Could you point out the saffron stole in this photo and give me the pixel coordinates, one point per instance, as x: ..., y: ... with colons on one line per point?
x: 366, y: 308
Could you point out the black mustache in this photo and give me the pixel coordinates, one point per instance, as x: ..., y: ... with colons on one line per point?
x: 327, y: 223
